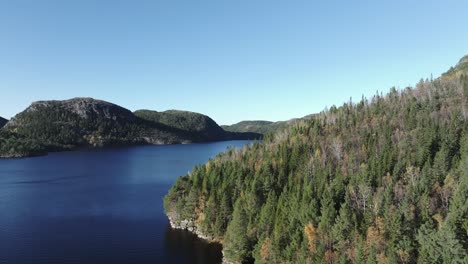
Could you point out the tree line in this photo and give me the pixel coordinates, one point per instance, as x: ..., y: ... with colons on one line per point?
x: 384, y: 180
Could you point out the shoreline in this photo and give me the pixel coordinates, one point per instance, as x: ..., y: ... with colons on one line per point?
x: 188, y: 225
x: 104, y: 147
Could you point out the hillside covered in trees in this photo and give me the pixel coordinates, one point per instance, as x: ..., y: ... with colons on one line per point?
x: 85, y: 122
x: 200, y: 127
x: 259, y: 126
x: 383, y: 180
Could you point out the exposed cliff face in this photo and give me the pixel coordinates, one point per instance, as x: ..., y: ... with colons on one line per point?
x: 79, y: 121
x: 77, y: 108
x: 189, y: 225
x: 88, y: 108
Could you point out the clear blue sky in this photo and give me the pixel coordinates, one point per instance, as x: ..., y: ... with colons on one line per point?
x: 230, y: 59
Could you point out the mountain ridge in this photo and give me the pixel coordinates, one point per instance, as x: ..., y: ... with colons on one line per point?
x: 56, y: 125
x: 184, y: 120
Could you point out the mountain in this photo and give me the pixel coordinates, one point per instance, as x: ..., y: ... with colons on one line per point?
x: 201, y: 126
x: 3, y: 121
x: 460, y: 69
x: 260, y: 126
x: 383, y: 180
x: 79, y: 122
x: 256, y: 126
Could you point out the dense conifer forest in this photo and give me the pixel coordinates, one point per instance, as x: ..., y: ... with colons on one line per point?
x: 382, y: 180
x: 262, y: 127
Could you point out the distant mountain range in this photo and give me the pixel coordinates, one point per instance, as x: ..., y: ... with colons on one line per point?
x: 86, y: 122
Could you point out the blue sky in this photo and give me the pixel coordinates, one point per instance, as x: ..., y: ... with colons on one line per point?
x: 232, y: 60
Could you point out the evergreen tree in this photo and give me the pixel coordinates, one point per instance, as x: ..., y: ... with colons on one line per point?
x: 236, y: 246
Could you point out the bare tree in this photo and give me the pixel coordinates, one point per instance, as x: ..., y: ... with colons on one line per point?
x: 359, y: 196
x: 337, y: 148
x: 412, y: 175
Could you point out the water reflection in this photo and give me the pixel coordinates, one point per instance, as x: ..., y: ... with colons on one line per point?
x: 201, y: 252
x: 99, y: 206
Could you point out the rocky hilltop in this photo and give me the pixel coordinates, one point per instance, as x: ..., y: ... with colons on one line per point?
x: 86, y: 122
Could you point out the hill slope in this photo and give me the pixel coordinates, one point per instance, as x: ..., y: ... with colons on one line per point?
x: 60, y: 125
x: 384, y: 180
x: 261, y: 126
x: 199, y: 125
x: 3, y: 121
x: 257, y: 126
x: 460, y: 69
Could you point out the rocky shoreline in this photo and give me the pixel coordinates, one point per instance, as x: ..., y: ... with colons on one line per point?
x: 22, y: 155
x: 188, y: 225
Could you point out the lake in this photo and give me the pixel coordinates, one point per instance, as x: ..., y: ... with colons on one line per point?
x: 99, y: 206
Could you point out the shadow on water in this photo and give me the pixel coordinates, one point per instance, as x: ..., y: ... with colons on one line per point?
x: 102, y: 206
x: 53, y: 180
x: 201, y: 251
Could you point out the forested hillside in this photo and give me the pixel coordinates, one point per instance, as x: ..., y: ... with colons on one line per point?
x: 262, y: 127
x: 196, y: 124
x: 86, y: 122
x: 62, y: 125
x: 383, y: 180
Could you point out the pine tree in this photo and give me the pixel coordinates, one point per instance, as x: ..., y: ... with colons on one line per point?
x: 236, y: 246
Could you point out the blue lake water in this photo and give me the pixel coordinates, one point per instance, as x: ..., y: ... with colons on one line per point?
x: 99, y: 206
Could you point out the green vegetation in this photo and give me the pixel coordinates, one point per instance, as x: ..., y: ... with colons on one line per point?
x: 72, y: 123
x: 196, y: 124
x: 63, y: 125
x: 384, y: 180
x: 460, y: 69
x: 13, y: 145
x: 262, y: 127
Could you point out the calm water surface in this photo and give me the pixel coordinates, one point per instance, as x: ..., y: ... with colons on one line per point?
x: 99, y: 206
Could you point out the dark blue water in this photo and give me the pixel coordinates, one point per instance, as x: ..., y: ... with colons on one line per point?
x: 99, y: 206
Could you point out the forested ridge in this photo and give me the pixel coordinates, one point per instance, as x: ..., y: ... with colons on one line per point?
x: 86, y: 122
x: 184, y: 120
x: 257, y: 126
x: 383, y: 180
